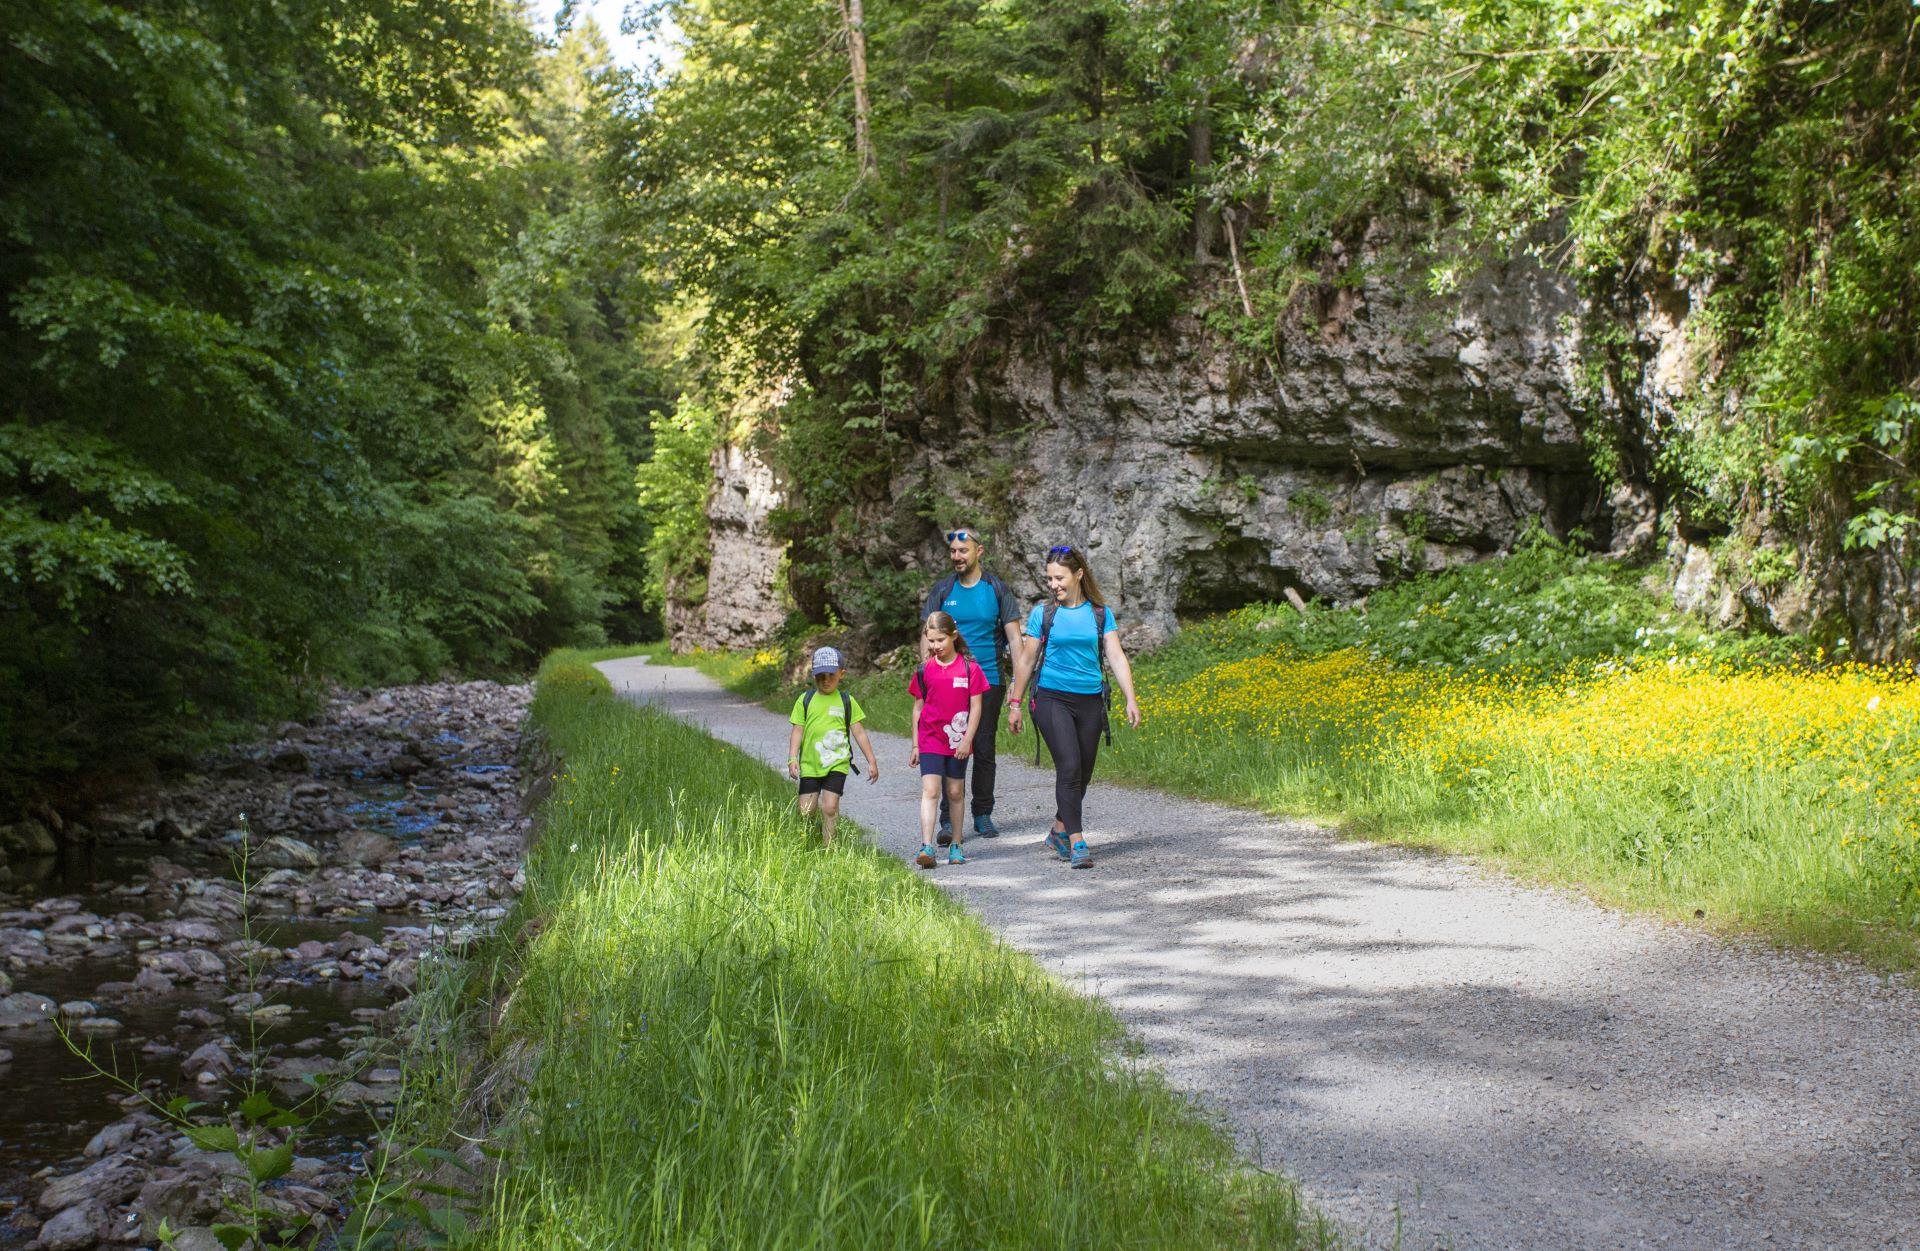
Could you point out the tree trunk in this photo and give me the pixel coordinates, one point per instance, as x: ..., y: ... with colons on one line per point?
x: 1206, y: 218
x: 853, y: 12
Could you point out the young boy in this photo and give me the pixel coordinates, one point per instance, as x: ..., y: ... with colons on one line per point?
x: 818, y: 752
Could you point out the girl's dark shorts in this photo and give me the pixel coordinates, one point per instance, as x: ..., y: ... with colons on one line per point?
x: 835, y: 781
x: 932, y: 766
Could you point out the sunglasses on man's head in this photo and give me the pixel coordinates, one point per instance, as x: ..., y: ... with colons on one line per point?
x: 960, y: 536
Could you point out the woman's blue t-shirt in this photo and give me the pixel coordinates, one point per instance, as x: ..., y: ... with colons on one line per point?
x: 1072, y: 660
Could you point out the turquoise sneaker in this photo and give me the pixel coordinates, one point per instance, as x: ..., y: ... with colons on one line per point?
x: 983, y: 826
x: 1058, y: 841
x: 955, y: 855
x: 1081, y: 858
x: 925, y: 859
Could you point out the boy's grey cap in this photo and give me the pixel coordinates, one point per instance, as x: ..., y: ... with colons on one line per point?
x: 826, y: 660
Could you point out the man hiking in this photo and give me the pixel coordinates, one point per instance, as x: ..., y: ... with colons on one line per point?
x: 989, y: 620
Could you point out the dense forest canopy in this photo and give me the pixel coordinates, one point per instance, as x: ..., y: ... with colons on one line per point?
x: 1064, y: 175
x: 332, y: 330
x: 320, y: 361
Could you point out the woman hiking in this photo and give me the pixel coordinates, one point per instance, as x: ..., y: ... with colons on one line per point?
x: 947, y: 690
x: 1061, y: 654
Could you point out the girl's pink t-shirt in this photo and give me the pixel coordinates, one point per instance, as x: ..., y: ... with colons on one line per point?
x: 949, y: 690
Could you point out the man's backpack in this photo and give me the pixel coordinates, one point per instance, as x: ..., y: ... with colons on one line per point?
x: 846, y: 715
x: 1099, y: 651
x: 944, y: 587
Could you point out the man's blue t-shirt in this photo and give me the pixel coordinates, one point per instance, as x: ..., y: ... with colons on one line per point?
x: 1072, y: 661
x: 976, y: 610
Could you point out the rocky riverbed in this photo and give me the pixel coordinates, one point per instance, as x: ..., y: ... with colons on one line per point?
x: 384, y: 831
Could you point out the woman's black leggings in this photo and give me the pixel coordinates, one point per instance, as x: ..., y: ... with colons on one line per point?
x: 1071, y: 724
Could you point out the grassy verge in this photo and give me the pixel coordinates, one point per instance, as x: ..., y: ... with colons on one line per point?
x: 745, y: 1041
x: 1547, y: 714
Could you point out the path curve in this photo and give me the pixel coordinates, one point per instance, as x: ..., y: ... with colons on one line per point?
x: 1416, y: 1040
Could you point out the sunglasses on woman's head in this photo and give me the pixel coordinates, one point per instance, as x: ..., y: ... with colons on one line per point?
x: 960, y: 536
x: 1063, y: 549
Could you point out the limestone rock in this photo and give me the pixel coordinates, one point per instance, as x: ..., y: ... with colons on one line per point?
x: 112, y: 1180
x: 209, y: 1058
x: 281, y: 852
x: 23, y: 1008
x: 365, y: 847
x: 74, y: 1229
x: 187, y: 1197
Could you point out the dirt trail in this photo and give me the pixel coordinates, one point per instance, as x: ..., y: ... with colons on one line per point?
x: 1422, y: 1042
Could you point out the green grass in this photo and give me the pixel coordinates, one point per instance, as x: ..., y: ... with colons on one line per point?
x: 1549, y: 714
x: 746, y: 1041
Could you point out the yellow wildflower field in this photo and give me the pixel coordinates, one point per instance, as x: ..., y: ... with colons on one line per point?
x: 1782, y: 797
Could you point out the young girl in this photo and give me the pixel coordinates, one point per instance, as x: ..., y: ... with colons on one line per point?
x: 947, y: 690
x: 1066, y: 641
x: 818, y: 751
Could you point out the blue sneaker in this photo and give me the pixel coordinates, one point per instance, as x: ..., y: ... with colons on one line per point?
x: 925, y: 859
x: 946, y: 831
x: 1058, y: 841
x: 955, y: 855
x: 983, y: 826
x: 1081, y: 858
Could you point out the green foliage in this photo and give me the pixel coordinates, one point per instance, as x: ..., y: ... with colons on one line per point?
x: 1545, y: 609
x: 1057, y: 178
x: 316, y: 359
x: 1757, y: 154
x: 673, y: 485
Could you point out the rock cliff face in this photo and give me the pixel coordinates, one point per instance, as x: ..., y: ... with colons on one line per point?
x: 739, y: 603
x: 1387, y: 434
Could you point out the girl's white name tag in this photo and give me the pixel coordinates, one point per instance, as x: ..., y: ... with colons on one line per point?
x: 959, y: 684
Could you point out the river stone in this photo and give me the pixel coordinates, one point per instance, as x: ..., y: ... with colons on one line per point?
x: 23, y: 1009
x: 77, y: 1009
x: 6, y: 1056
x: 190, y: 931
x: 112, y: 1180
x: 74, y: 1229
x: 300, y: 1068
x: 281, y: 852
x: 365, y: 847
x: 151, y: 981
x: 210, y: 1058
x: 197, y: 1238
x: 97, y: 1025
x: 112, y: 1138
x: 204, y: 963
x: 213, y: 905
x: 186, y: 1197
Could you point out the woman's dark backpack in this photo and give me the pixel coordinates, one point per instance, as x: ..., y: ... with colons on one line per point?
x: 846, y: 715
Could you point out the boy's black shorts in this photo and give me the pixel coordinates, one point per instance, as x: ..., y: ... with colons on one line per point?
x: 835, y: 781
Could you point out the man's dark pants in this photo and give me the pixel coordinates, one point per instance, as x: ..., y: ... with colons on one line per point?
x: 983, y: 742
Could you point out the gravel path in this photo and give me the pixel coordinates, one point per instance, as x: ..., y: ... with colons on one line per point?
x: 1424, y: 1043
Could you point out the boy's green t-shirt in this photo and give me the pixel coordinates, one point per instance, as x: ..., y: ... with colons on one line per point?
x: 824, y: 742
